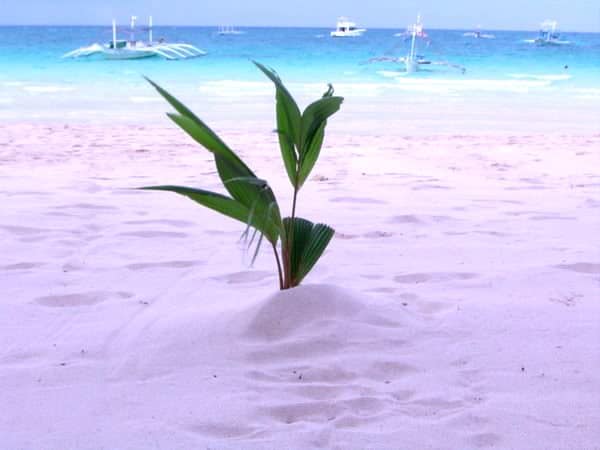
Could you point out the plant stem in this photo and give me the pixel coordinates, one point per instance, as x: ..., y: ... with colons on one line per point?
x: 294, y: 203
x: 290, y: 243
x: 278, y: 267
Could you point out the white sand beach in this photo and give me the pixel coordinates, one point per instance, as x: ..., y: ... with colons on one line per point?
x: 458, y: 306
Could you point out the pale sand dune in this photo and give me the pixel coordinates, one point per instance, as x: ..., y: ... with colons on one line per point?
x: 458, y: 306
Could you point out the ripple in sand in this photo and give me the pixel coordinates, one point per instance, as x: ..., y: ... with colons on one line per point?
x: 81, y: 299
x: 378, y: 234
x: 22, y: 266
x: 249, y: 276
x: 154, y: 234
x: 418, y: 220
x: 175, y: 223
x: 582, y: 267
x: 164, y: 265
x: 427, y: 187
x: 408, y: 218
x: 360, y: 200
x: 548, y: 217
x: 485, y: 440
x: 317, y: 412
x: 19, y: 230
x: 89, y: 206
x: 222, y: 430
x: 434, y: 277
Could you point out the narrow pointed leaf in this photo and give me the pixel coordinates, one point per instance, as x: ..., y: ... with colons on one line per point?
x: 226, y: 206
x: 288, y: 123
x: 209, y: 140
x: 217, y: 202
x: 311, y: 155
x: 314, y: 121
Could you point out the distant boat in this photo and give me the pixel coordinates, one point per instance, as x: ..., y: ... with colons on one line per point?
x: 548, y: 36
x: 346, y: 28
x: 477, y: 34
x: 134, y: 49
x: 228, y: 30
x: 416, y: 29
x: 413, y: 61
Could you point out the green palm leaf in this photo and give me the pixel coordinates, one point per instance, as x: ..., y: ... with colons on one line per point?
x: 251, y: 200
x: 309, y: 241
x: 314, y: 121
x: 228, y: 207
x: 288, y: 123
x: 238, y: 179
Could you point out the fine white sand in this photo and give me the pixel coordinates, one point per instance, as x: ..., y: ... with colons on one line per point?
x: 458, y: 306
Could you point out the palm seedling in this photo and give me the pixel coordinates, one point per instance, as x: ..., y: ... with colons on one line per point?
x: 297, y: 243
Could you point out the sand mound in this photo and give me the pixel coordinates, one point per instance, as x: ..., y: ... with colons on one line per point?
x: 289, y: 311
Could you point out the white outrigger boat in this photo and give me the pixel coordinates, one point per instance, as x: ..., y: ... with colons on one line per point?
x: 413, y: 61
x: 346, y: 28
x: 548, y: 36
x: 133, y: 49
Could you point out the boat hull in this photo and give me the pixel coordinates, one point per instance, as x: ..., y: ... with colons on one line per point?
x: 127, y: 54
x: 342, y: 34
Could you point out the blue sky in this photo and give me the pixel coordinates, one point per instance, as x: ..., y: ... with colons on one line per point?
x: 574, y: 15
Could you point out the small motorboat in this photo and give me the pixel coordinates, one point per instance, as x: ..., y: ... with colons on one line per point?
x: 346, y: 28
x: 478, y: 34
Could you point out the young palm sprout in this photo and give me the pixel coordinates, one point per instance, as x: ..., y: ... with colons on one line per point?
x: 251, y: 200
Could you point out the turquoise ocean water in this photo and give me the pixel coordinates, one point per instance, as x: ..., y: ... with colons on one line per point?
x: 33, y: 74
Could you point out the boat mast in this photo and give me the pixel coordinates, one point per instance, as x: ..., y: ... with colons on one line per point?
x: 131, y: 34
x: 114, y: 30
x: 414, y: 38
x: 150, y: 29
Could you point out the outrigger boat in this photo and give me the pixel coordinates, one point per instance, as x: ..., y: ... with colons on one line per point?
x: 548, y: 36
x: 413, y: 61
x: 133, y: 49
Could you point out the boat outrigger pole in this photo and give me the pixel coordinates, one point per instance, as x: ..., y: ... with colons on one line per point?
x: 411, y: 63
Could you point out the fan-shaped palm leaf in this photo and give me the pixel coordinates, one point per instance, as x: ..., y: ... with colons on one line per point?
x: 308, y: 244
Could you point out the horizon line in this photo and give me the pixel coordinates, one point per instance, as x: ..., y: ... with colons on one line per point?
x: 290, y: 26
